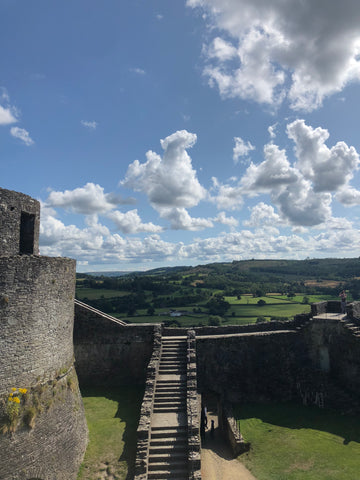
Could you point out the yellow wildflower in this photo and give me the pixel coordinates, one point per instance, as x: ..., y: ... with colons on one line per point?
x: 11, y: 394
x: 22, y: 390
x: 14, y: 389
x: 16, y: 399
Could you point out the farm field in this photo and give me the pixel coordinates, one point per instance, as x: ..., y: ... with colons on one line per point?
x: 293, y: 442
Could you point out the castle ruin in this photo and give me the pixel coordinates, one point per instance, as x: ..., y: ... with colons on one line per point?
x: 314, y: 359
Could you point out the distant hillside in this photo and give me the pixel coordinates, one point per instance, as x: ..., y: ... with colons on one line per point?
x: 337, y: 269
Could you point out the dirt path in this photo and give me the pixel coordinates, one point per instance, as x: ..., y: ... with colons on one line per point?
x: 217, y: 462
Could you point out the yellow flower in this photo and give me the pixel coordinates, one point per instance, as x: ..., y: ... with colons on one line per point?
x: 11, y: 394
x: 16, y: 399
x: 14, y: 389
x: 22, y: 390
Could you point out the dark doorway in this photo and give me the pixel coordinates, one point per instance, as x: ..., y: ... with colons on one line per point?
x: 27, y: 228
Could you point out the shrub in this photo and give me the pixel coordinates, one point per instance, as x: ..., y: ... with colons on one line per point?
x: 214, y: 321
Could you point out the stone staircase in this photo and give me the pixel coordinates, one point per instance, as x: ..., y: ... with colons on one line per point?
x: 168, y: 449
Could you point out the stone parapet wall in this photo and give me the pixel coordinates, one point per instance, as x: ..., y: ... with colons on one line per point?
x: 192, y: 409
x: 251, y: 366
x: 36, y: 318
x: 144, y: 427
x: 106, y: 351
x: 12, y: 204
x: 231, y: 430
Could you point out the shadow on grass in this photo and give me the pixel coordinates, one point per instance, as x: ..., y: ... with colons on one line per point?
x: 297, y: 416
x: 128, y: 399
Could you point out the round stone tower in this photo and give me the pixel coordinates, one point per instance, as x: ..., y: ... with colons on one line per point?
x: 43, y: 431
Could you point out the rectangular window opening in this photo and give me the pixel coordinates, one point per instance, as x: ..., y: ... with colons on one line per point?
x: 27, y: 231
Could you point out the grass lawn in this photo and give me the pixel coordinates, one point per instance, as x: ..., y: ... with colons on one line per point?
x: 112, y: 416
x: 293, y: 442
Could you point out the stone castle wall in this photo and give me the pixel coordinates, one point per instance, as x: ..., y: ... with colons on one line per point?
x: 47, y: 436
x: 36, y: 312
x: 19, y: 220
x: 250, y: 367
x: 108, y: 352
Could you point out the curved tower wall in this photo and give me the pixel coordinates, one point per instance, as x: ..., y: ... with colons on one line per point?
x: 36, y: 345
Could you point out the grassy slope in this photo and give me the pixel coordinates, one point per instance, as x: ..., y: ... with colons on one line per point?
x: 292, y: 442
x: 112, y: 416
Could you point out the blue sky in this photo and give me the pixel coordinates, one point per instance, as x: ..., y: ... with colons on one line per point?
x: 185, y: 132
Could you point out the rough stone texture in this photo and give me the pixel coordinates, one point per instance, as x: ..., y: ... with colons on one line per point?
x: 251, y: 366
x: 353, y: 311
x: 230, y: 429
x: 144, y: 428
x: 36, y: 325
x: 192, y: 407
x: 54, y: 448
x: 12, y: 204
x: 108, y: 352
x: 36, y: 318
x: 334, y: 348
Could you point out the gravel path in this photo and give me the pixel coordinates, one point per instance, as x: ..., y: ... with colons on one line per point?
x: 217, y: 462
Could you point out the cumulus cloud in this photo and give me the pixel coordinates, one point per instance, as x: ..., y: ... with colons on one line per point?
x: 304, y: 51
x: 302, y: 190
x: 170, y: 182
x: 180, y: 219
x: 275, y: 171
x: 22, y: 135
x: 88, y: 200
x: 328, y: 169
x: 227, y: 196
x: 90, y: 125
x: 241, y: 149
x: 263, y: 214
x: 8, y: 113
x: 130, y: 222
x: 348, y: 196
x: 229, y: 221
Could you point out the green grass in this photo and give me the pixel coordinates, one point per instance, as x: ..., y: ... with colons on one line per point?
x: 112, y: 416
x: 96, y: 293
x: 293, y: 442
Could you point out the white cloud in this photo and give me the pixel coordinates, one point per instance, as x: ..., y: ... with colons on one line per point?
x: 227, y: 197
x: 180, y: 219
x: 170, y: 182
x: 229, y: 221
x: 263, y: 215
x: 275, y: 171
x: 22, y: 135
x: 7, y: 116
x: 138, y: 71
x: 130, y: 222
x: 328, y: 169
x: 221, y: 50
x: 90, y: 125
x: 88, y: 200
x: 8, y: 113
x: 241, y: 149
x: 272, y: 130
x: 348, y: 196
x: 304, y: 50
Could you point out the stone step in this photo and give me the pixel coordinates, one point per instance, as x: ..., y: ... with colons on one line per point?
x: 174, y: 394
x: 175, y: 409
x: 171, y: 445
x: 168, y: 402
x: 168, y: 475
x: 180, y: 435
x: 171, y: 466
x: 167, y: 457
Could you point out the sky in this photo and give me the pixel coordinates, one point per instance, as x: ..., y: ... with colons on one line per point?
x: 184, y: 132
